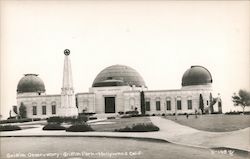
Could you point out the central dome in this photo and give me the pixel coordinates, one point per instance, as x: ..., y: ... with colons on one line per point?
x: 118, y: 75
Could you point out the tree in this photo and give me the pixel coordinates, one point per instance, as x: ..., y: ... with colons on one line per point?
x: 242, y: 99
x: 212, y: 102
x: 201, y: 105
x: 22, y: 111
x: 143, y: 110
x: 15, y: 109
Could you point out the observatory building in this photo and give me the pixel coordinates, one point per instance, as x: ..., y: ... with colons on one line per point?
x: 117, y: 89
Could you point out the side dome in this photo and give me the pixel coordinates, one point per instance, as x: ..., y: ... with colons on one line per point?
x: 118, y: 75
x: 30, y: 83
x: 196, y: 75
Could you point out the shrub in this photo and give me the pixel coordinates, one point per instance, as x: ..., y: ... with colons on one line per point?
x: 9, y: 128
x: 11, y: 118
x: 133, y: 112
x: 111, y: 117
x: 92, y: 118
x: 87, y: 113
x: 139, y: 115
x: 84, y: 118
x: 237, y: 113
x: 54, y: 119
x: 120, y: 112
x: 126, y: 116
x: 51, y: 126
x: 79, y: 128
x: 57, y: 119
x: 36, y: 119
x: 22, y: 111
x: 215, y: 113
x: 15, y: 120
x: 139, y: 128
x: 182, y: 114
x: 25, y: 120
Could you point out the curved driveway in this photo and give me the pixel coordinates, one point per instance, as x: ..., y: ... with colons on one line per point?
x: 169, y: 131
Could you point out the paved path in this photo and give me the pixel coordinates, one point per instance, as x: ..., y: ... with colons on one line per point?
x: 169, y: 131
x: 185, y: 135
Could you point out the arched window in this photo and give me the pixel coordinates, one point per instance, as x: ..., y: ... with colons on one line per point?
x: 178, y: 103
x: 44, y: 109
x: 34, y: 108
x: 147, y: 104
x: 158, y: 103
x: 53, y: 107
x: 189, y: 103
x: 168, y: 103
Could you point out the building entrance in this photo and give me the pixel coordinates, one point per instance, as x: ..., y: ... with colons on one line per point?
x: 109, y: 104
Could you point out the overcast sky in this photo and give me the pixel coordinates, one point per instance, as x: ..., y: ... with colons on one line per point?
x: 161, y: 40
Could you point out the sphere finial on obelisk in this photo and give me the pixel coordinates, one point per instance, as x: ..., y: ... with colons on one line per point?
x: 66, y: 52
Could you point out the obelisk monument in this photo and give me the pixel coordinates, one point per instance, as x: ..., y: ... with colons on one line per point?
x: 68, y: 105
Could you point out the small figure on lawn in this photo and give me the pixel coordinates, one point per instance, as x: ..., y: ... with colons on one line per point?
x: 187, y: 116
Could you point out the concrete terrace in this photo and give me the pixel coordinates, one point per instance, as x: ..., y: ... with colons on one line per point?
x: 169, y: 131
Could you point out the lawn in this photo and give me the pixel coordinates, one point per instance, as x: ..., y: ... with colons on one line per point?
x: 214, y: 123
x: 112, y: 124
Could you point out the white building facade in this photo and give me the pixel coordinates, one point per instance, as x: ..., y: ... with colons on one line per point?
x: 117, y: 89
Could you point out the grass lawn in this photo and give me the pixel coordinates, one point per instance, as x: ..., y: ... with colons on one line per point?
x: 214, y: 123
x: 119, y: 123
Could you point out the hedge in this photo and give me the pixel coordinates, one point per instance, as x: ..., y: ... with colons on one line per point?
x: 51, y: 126
x: 15, y: 120
x: 79, y: 128
x: 139, y: 128
x: 126, y: 116
x: 92, y: 118
x: 111, y: 117
x: 237, y: 113
x: 57, y: 119
x: 133, y: 112
x: 9, y: 128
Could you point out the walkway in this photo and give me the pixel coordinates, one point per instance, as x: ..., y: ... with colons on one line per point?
x: 185, y: 135
x: 169, y: 131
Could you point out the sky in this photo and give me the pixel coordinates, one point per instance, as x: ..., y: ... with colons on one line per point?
x: 159, y: 39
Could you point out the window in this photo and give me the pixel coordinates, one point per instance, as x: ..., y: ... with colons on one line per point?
x: 207, y: 102
x: 189, y: 104
x: 147, y: 105
x: 158, y: 105
x: 44, y: 110
x: 178, y: 104
x: 168, y: 105
x: 34, y: 110
x: 53, y: 109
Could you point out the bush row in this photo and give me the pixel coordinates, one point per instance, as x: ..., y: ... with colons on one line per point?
x: 237, y: 113
x: 78, y: 127
x: 53, y: 126
x: 57, y: 119
x: 9, y: 128
x: 83, y: 127
x: 15, y: 120
x: 139, y: 128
